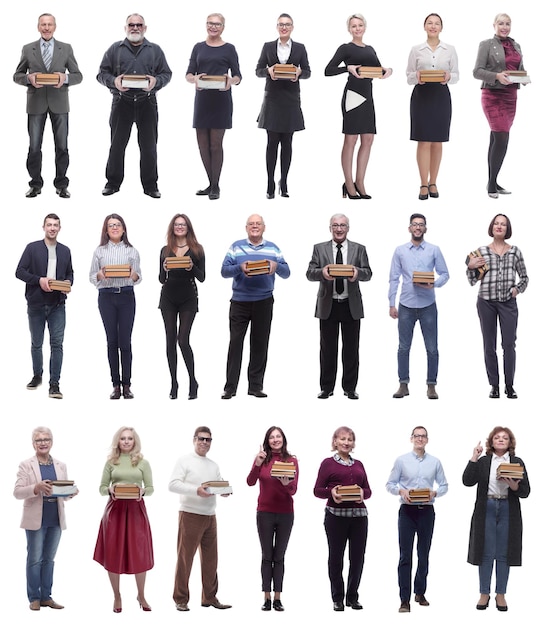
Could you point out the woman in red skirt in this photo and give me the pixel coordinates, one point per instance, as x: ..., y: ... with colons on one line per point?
x: 124, y: 544
x: 498, y: 57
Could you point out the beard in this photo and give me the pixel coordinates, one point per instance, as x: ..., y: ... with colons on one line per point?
x: 135, y: 37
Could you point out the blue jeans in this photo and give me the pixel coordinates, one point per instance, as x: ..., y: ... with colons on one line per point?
x: 495, y: 547
x: 36, y: 126
x: 414, y: 519
x: 427, y: 318
x: 41, y: 548
x: 55, y: 316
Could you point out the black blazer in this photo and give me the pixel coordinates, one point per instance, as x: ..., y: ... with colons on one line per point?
x: 269, y: 57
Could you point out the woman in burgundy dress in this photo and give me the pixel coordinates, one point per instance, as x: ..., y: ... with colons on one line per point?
x: 496, y: 58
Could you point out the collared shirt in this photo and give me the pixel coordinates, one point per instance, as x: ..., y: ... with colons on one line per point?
x: 344, y: 251
x: 284, y: 50
x: 347, y: 511
x: 411, y: 471
x: 500, y: 279
x: 423, y: 57
x: 497, y: 487
x: 409, y: 258
x: 115, y: 254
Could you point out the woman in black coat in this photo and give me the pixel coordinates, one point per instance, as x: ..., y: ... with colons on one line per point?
x: 496, y: 526
x: 281, y: 114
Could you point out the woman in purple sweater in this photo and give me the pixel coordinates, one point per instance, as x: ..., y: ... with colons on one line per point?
x: 274, y: 510
x: 345, y: 518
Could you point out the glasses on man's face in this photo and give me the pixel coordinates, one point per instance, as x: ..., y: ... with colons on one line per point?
x: 40, y: 441
x: 419, y: 436
x: 204, y: 439
x: 139, y: 25
x: 418, y: 224
x: 339, y: 226
x: 214, y: 24
x: 254, y: 223
x: 284, y: 26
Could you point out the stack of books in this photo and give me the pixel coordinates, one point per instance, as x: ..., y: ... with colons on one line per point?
x: 126, y: 491
x: 349, y: 493
x: 365, y: 71
x: 135, y: 81
x: 423, y: 277
x: 510, y: 470
x: 208, y: 81
x: 117, y: 271
x: 63, y: 488
x: 337, y: 269
x: 217, y: 487
x: 285, y: 71
x: 255, y: 268
x: 60, y: 285
x: 280, y: 468
x: 420, y: 495
x: 518, y: 76
x: 177, y: 262
x: 47, y: 79
x: 432, y: 76
x: 481, y: 270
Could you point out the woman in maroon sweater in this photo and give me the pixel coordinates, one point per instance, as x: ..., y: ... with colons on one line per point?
x: 345, y: 520
x: 274, y: 511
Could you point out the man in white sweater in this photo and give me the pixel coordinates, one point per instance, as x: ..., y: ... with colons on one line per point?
x: 197, y: 523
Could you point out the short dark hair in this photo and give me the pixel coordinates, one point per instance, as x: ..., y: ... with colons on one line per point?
x: 508, y: 226
x: 202, y: 429
x: 418, y: 428
x: 285, y: 15
x: 420, y: 216
x: 51, y: 216
x: 433, y: 15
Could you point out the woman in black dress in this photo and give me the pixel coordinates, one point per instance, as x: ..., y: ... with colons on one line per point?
x: 281, y: 114
x: 213, y: 107
x: 357, y: 105
x: 179, y: 297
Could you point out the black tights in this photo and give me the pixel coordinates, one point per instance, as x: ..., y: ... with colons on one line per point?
x: 174, y: 336
x: 498, y: 144
x: 274, y: 140
x: 210, y: 144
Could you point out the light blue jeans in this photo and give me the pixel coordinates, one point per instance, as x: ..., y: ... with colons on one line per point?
x: 41, y: 548
x: 427, y: 317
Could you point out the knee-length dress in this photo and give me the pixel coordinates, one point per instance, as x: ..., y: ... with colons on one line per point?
x: 179, y: 291
x: 213, y: 108
x: 357, y: 102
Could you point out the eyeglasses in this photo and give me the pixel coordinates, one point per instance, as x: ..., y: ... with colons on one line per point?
x: 339, y: 226
x: 180, y: 225
x: 115, y: 226
x: 254, y: 224
x: 135, y: 25
x: 419, y: 436
x: 214, y: 24
x: 204, y: 439
x: 418, y: 225
x: 283, y: 25
x: 40, y: 441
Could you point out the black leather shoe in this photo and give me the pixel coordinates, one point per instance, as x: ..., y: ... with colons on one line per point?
x: 338, y: 606
x: 278, y: 606
x: 501, y: 607
x: 494, y: 393
x: 355, y: 605
x: 54, y: 391
x: 257, y: 393
x: 214, y: 192
x: 323, y: 395
x: 33, y: 192
x: 510, y: 393
x: 227, y: 395
x: 154, y: 193
x: 109, y: 191
x: 482, y: 607
x: 116, y: 393
x: 34, y: 383
x: 63, y: 192
x: 127, y: 393
x: 203, y: 192
x: 421, y: 599
x: 352, y: 395
x: 267, y: 606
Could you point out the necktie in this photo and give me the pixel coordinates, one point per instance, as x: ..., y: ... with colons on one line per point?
x: 339, y: 282
x: 47, y: 55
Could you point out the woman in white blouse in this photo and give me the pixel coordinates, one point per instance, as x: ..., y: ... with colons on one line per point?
x: 116, y: 301
x: 430, y: 105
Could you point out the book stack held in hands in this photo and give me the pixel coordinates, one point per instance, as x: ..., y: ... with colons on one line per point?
x: 349, y: 493
x: 285, y: 71
x: 117, y: 271
x: 60, y: 285
x: 135, y: 81
x: 63, y: 488
x: 47, y: 79
x: 432, y: 76
x: 208, y: 81
x: 177, y: 262
x: 481, y: 270
x: 281, y: 468
x: 518, y: 76
x: 126, y: 491
x: 217, y: 487
x: 254, y: 268
x: 420, y: 495
x: 423, y: 277
x: 510, y: 470
x: 340, y: 270
x: 366, y: 71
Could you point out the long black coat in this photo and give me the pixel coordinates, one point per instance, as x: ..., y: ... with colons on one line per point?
x: 478, y: 474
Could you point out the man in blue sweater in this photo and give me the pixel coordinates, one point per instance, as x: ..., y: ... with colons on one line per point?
x: 252, y: 263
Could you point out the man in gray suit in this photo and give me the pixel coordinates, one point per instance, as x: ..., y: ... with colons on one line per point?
x: 47, y: 56
x: 339, y: 305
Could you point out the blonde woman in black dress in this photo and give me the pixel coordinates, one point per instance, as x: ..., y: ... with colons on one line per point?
x: 357, y: 105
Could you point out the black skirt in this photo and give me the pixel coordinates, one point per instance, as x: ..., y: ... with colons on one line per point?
x: 430, y: 113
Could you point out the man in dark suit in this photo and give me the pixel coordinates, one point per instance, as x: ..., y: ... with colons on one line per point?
x: 339, y: 305
x: 47, y: 56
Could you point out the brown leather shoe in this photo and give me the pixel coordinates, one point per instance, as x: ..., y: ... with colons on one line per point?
x: 127, y: 393
x: 431, y: 392
x: 421, y: 599
x: 402, y: 391
x: 34, y: 605
x: 404, y: 607
x: 116, y: 393
x: 51, y: 604
x: 217, y: 605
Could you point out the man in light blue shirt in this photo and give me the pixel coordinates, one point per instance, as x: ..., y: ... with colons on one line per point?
x: 416, y: 302
x: 414, y: 471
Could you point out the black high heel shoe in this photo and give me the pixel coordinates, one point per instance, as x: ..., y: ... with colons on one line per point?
x: 270, y: 190
x: 424, y: 196
x: 433, y: 194
x: 346, y: 193
x: 282, y: 188
x: 174, y: 391
x: 193, y: 390
x: 364, y: 196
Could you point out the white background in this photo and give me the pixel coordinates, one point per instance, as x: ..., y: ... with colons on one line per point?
x: 85, y: 420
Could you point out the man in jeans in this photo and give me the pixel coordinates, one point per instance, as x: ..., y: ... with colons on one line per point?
x: 41, y: 262
x: 417, y: 301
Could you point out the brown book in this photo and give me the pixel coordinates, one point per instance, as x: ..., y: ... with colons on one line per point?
x: 337, y: 269
x: 420, y: 495
x: 117, y: 271
x: 126, y: 491
x: 135, y: 81
x: 177, y: 262
x: 366, y: 71
x: 63, y: 483
x: 63, y: 488
x: 281, y: 468
x: 209, y: 81
x: 481, y: 270
x: 510, y: 470
x: 255, y: 268
x: 423, y: 277
x: 432, y: 76
x: 47, y: 79
x: 516, y: 73
x: 349, y: 493
x: 60, y: 285
x: 285, y: 71
x: 217, y: 487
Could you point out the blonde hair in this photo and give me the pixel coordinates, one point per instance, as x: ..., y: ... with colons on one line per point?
x: 356, y: 16
x: 135, y: 454
x: 219, y: 15
x: 500, y: 16
x: 42, y: 429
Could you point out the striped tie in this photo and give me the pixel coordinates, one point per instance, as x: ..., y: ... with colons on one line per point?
x: 47, y: 55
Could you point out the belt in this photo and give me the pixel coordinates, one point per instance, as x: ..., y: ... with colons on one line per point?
x: 116, y: 289
x: 497, y: 497
x: 49, y: 499
x: 340, y: 300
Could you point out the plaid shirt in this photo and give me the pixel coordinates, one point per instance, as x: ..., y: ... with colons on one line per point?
x: 500, y: 279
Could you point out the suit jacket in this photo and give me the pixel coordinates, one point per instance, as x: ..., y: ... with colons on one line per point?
x: 269, y: 57
x: 27, y: 476
x: 490, y: 61
x: 322, y: 256
x: 47, y: 98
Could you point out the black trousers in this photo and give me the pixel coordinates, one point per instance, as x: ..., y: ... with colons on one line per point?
x: 274, y: 531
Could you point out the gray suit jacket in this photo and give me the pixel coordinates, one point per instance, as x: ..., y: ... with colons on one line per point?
x: 322, y: 256
x: 48, y: 97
